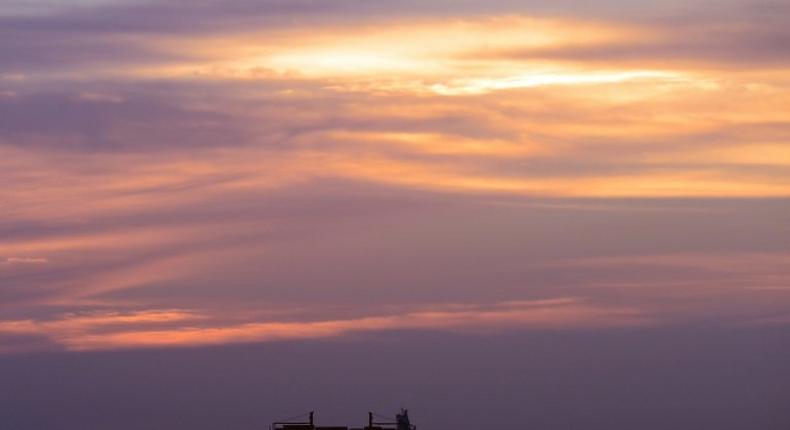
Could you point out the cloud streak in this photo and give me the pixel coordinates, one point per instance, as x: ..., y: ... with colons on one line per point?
x: 96, y: 331
x: 227, y: 157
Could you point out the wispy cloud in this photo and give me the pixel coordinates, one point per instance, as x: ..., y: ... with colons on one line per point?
x: 24, y: 260
x: 155, y: 157
x: 97, y: 330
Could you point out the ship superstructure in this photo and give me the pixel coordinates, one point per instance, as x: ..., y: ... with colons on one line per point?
x: 401, y: 422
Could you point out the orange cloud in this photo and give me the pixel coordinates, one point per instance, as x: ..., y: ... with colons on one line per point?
x: 94, y: 331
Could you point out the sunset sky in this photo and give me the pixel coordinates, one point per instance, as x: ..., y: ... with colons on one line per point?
x: 577, y: 213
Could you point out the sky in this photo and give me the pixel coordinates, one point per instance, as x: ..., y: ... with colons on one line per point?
x: 215, y: 214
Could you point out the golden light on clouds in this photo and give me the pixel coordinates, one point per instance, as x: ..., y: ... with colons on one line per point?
x: 447, y: 57
x: 149, y: 170
x: 405, y: 68
x: 143, y: 329
x: 421, y: 49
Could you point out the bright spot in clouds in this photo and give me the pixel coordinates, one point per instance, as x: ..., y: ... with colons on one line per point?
x: 190, y: 173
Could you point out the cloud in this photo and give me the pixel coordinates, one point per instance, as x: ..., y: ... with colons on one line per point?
x: 92, y: 331
x: 106, y: 122
x: 235, y: 37
x: 24, y: 260
x: 215, y: 156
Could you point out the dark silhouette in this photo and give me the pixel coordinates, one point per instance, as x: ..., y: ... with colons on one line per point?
x: 401, y: 422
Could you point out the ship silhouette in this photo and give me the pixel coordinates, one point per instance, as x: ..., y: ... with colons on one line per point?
x: 401, y: 422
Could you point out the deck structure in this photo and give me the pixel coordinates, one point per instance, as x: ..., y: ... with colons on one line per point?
x: 401, y: 422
